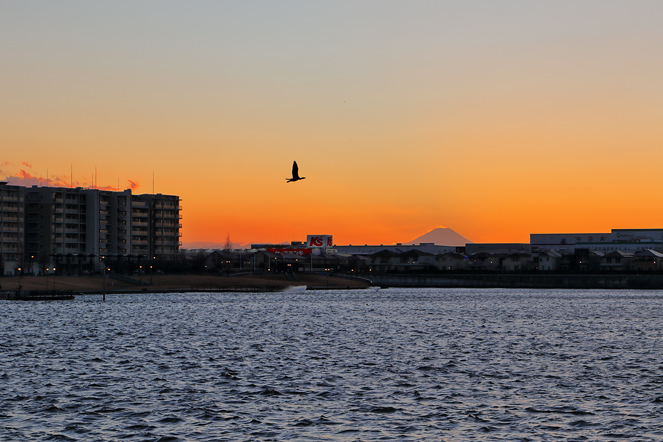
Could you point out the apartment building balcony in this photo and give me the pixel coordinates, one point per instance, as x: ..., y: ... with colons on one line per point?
x: 167, y: 206
x: 167, y: 243
x: 168, y: 234
x: 163, y: 225
x: 169, y: 223
x: 140, y: 224
x: 138, y: 204
x: 11, y: 199
x: 139, y: 242
x: 164, y: 211
x: 8, y: 209
x: 169, y: 216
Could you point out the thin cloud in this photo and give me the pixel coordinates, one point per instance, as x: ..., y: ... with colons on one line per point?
x: 23, y: 178
x: 25, y: 163
x: 26, y: 179
x: 6, y: 163
x: 59, y: 181
x: 111, y: 188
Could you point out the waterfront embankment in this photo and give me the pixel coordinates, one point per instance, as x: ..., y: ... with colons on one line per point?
x: 174, y: 283
x: 276, y: 282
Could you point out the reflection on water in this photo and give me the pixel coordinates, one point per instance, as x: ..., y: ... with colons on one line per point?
x: 424, y: 364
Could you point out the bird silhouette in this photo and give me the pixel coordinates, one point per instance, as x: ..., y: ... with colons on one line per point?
x: 295, y: 173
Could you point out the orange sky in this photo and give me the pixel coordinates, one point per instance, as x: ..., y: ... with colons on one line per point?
x: 496, y: 119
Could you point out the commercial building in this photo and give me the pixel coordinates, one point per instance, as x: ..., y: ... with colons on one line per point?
x: 628, y: 240
x: 368, y: 249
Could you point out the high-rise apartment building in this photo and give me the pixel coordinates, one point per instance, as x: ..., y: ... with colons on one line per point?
x: 164, y: 225
x: 11, y: 228
x: 78, y: 231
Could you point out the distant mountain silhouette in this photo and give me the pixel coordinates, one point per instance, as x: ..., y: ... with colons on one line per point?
x: 442, y: 236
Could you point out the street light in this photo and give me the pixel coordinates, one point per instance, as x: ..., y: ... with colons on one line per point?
x: 47, y: 273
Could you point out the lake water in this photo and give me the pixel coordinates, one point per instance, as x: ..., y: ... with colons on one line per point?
x: 397, y: 364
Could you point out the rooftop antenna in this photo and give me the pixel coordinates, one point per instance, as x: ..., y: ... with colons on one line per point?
x: 46, y: 177
x: 71, y: 183
x: 152, y: 183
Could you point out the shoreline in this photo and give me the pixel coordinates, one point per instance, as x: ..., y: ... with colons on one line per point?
x: 95, y: 284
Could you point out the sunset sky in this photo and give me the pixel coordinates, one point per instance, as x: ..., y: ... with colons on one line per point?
x: 494, y: 118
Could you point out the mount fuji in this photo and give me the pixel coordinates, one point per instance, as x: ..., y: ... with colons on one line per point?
x: 442, y: 236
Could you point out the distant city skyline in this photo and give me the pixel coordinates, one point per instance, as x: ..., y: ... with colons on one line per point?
x: 496, y: 119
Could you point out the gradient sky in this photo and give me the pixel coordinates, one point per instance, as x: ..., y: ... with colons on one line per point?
x: 494, y: 118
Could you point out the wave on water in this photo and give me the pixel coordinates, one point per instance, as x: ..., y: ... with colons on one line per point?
x: 397, y: 364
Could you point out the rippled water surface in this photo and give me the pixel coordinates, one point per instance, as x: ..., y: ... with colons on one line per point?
x: 417, y: 364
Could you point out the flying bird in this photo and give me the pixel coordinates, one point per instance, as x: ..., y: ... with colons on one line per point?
x: 295, y: 173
